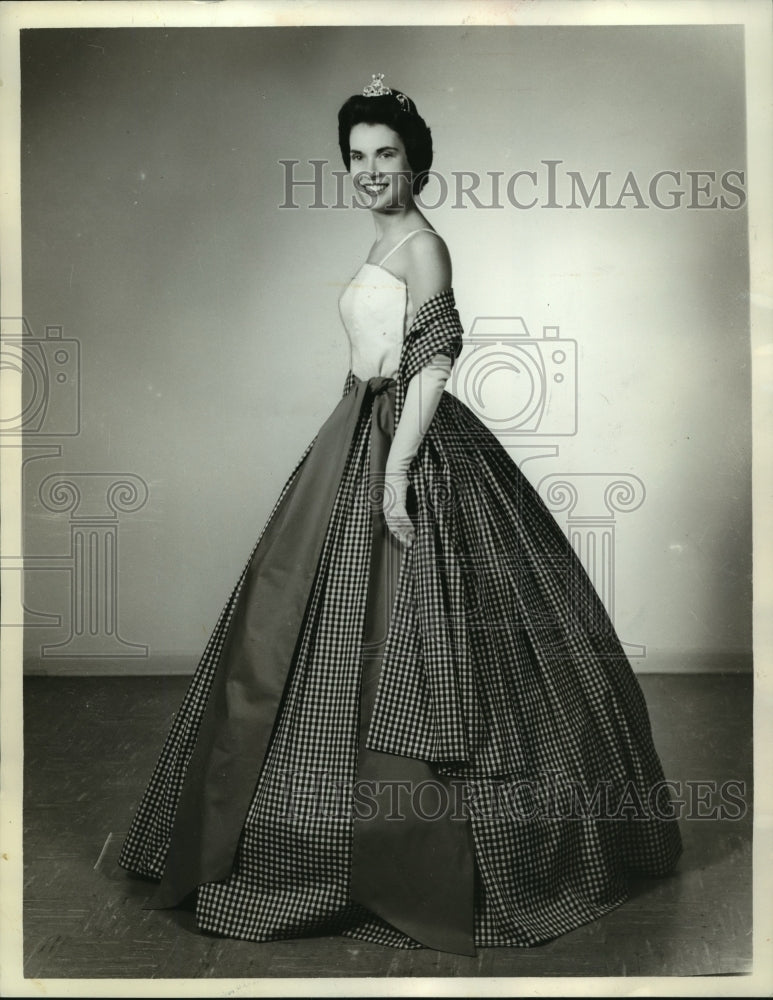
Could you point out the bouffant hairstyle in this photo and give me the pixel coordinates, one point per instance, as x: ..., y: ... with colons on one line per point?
x: 398, y: 112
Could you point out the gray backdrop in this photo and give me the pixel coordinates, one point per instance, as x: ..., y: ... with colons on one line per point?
x: 208, y: 347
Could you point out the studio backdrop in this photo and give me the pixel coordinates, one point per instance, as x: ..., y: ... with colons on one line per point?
x: 187, y: 230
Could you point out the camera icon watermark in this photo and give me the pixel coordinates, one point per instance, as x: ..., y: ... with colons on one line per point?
x: 49, y: 368
x: 518, y: 384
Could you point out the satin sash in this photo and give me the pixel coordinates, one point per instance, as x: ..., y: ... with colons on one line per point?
x: 400, y: 870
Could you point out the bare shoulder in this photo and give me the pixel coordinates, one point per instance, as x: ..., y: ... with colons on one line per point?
x: 427, y: 265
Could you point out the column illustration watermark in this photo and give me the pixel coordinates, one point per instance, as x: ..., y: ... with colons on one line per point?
x: 590, y: 501
x: 94, y: 501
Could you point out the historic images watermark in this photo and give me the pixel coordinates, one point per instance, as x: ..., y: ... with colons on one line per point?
x: 547, y: 795
x: 548, y: 185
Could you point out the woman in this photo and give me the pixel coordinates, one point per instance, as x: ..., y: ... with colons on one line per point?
x: 413, y: 723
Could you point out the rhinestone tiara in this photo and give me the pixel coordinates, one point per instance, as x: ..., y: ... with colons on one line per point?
x: 376, y: 88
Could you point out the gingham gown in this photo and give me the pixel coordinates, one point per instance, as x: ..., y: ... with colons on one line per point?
x: 500, y: 673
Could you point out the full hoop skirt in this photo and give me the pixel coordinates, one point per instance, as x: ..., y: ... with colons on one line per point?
x: 478, y: 662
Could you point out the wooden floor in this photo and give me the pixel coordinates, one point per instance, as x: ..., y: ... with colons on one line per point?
x: 90, y: 744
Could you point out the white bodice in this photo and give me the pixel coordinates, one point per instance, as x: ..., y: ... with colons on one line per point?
x: 376, y: 312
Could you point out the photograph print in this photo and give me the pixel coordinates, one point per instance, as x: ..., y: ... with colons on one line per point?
x: 386, y: 434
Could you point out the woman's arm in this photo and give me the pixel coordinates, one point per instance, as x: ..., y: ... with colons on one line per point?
x: 428, y: 272
x: 427, y: 267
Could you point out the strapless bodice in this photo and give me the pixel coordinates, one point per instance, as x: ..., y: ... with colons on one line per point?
x: 376, y: 312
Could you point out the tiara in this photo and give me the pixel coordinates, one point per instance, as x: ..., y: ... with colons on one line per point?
x: 376, y: 88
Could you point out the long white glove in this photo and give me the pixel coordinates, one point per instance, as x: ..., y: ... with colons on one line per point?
x: 421, y: 401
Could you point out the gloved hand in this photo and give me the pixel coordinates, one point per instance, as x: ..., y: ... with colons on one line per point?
x: 421, y: 401
x: 395, y: 508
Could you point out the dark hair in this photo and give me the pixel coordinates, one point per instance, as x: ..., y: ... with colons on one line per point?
x: 399, y: 113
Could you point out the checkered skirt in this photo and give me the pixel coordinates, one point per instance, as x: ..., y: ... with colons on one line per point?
x: 500, y: 668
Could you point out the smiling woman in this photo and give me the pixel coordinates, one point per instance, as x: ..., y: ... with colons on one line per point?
x: 414, y: 722
x: 380, y: 168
